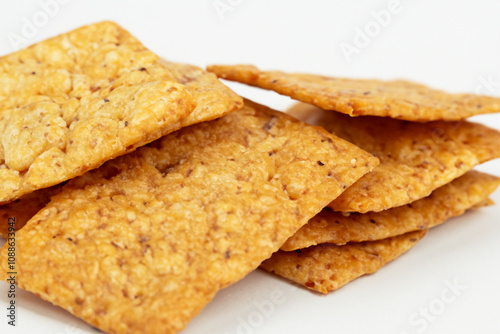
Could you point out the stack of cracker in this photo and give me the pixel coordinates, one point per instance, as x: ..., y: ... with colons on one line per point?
x: 133, y: 189
x: 143, y: 225
x: 426, y: 151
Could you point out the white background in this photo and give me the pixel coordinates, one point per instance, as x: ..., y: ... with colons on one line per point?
x: 451, y: 45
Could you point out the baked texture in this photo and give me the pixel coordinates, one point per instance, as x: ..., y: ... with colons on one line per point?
x: 396, y: 99
x: 72, y: 102
x: 143, y: 243
x: 468, y: 191
x: 415, y: 158
x: 327, y: 267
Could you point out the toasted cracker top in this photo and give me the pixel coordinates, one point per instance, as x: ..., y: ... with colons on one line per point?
x: 72, y: 102
x: 416, y: 158
x: 452, y: 199
x: 143, y: 243
x: 396, y: 99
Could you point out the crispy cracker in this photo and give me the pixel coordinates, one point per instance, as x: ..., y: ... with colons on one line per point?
x: 146, y: 244
x: 450, y: 200
x: 415, y: 158
x: 397, y: 99
x: 70, y: 103
x: 327, y: 267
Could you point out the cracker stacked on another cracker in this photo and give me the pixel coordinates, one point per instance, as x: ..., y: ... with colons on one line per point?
x: 332, y: 248
x: 426, y: 153
x: 143, y: 243
x: 396, y: 99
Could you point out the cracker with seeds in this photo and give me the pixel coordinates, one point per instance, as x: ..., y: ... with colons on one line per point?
x: 143, y: 243
x: 416, y: 158
x: 396, y: 99
x: 468, y: 191
x: 72, y: 102
x: 327, y: 267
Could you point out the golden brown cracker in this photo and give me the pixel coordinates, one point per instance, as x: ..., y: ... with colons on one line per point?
x: 327, y: 267
x: 396, y: 99
x: 146, y: 245
x: 450, y: 200
x: 72, y: 102
x: 416, y: 158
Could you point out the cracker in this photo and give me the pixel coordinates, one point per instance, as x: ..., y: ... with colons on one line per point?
x: 327, y: 267
x: 396, y: 99
x: 143, y: 243
x: 415, y: 158
x: 72, y: 102
x: 450, y: 200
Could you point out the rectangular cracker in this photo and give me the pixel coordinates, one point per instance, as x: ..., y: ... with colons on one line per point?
x: 72, y: 102
x: 415, y: 158
x: 143, y: 243
x: 327, y: 267
x: 450, y: 200
x: 396, y: 99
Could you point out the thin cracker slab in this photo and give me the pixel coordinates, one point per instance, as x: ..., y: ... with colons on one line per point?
x: 72, y: 102
x: 396, y: 99
x: 327, y: 267
x: 416, y: 158
x: 143, y: 243
x: 452, y: 199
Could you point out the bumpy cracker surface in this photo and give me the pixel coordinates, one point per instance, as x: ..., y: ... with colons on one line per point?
x: 145, y: 245
x: 468, y: 191
x: 327, y: 267
x: 415, y: 158
x: 397, y: 99
x: 70, y: 103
